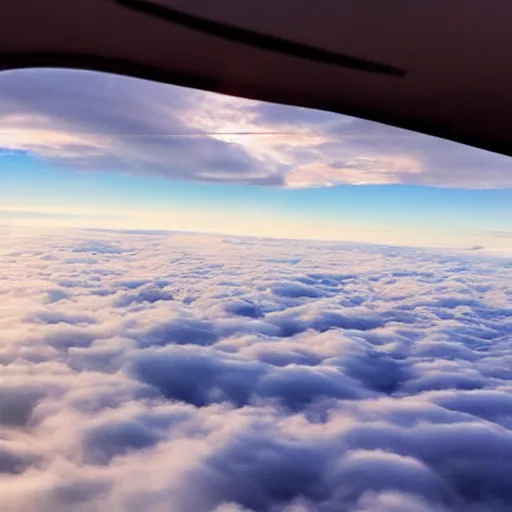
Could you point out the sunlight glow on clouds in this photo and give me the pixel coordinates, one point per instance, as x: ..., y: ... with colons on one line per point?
x: 95, y: 121
x: 377, y: 171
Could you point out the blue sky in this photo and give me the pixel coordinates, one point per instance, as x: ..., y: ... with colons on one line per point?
x: 95, y: 150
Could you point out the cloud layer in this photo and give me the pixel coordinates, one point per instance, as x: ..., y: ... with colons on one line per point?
x: 172, y: 372
x: 93, y: 121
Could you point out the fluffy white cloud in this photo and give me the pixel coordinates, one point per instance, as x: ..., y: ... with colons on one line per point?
x: 173, y: 372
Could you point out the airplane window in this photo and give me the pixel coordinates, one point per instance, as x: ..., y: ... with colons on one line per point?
x: 209, y: 303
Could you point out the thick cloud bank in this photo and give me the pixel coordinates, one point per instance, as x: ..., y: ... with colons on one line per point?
x: 172, y: 372
x: 95, y: 121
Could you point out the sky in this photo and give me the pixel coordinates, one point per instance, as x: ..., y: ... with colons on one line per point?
x: 88, y: 149
x: 210, y: 304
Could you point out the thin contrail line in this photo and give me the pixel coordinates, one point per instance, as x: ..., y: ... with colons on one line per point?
x: 120, y: 134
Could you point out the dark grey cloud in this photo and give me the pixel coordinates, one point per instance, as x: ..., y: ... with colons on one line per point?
x: 170, y: 374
